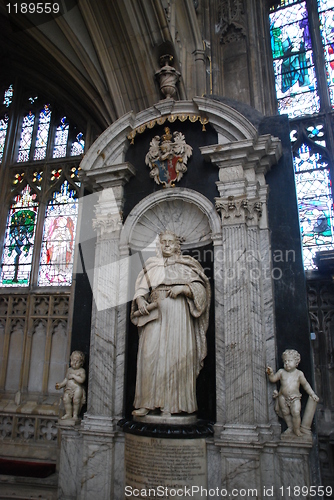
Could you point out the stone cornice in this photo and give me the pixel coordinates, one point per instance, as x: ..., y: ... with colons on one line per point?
x: 110, y: 176
x: 259, y: 153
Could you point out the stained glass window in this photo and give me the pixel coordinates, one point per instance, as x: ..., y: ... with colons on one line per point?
x: 7, y: 101
x: 296, y: 63
x: 3, y: 132
x: 42, y: 133
x: 314, y: 202
x: 26, y: 137
x: 60, y: 145
x: 78, y: 146
x: 19, y: 240
x: 8, y: 96
x: 39, y: 244
x: 57, y: 252
x: 326, y: 17
x: 295, y: 79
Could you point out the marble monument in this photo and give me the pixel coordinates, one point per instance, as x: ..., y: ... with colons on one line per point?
x: 171, y: 308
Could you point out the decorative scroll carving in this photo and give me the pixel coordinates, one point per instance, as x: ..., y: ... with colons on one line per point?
x: 239, y: 208
x: 107, y: 224
x: 231, y: 21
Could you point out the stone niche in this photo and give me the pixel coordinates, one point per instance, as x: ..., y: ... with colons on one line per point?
x: 233, y: 223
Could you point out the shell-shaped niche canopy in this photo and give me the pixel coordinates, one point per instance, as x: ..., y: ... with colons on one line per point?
x: 183, y: 218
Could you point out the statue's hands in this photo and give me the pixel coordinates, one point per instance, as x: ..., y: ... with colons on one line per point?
x: 269, y: 370
x: 142, y: 306
x: 57, y: 386
x: 315, y: 397
x: 178, y: 290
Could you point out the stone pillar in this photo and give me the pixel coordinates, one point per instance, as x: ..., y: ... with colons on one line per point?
x: 70, y: 462
x: 247, y: 431
x: 107, y: 350
x: 247, y: 301
x: 105, y: 347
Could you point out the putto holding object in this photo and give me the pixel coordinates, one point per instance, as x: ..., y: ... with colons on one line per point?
x: 288, y: 398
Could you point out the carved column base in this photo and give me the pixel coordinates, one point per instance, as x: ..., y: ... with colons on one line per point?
x: 98, y: 457
x: 239, y: 433
x: 70, y: 463
x: 96, y: 424
x: 263, y: 470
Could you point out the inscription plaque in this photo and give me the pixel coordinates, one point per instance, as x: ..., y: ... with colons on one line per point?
x: 157, y: 468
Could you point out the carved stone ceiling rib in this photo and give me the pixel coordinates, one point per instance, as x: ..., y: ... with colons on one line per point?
x: 106, y: 47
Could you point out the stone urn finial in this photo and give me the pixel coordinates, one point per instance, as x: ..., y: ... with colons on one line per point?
x: 167, y: 77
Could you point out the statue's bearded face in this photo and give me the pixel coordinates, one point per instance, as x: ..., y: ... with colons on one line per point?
x: 168, y: 244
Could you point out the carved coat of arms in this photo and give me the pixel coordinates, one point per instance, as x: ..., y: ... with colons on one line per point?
x: 167, y: 157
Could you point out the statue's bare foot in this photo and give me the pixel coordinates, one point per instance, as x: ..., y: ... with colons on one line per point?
x: 141, y: 412
x: 297, y: 432
x: 66, y: 417
x: 288, y: 431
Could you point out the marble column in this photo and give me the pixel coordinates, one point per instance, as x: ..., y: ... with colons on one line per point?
x: 247, y: 299
x: 247, y: 431
x: 70, y: 462
x: 107, y: 348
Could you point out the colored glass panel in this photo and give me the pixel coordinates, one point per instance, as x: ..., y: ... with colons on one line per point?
x: 57, y: 251
x: 317, y: 134
x: 306, y: 160
x: 8, y: 96
x: 314, y: 203
x: 295, y: 79
x: 285, y: 3
x: 78, y: 146
x: 19, y: 240
x: 326, y: 18
x: 3, y: 133
x: 60, y: 146
x: 26, y: 137
x: 42, y: 133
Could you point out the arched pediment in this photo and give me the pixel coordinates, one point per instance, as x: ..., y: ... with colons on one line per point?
x: 111, y: 146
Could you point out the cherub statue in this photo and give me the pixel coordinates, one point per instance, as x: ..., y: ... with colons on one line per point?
x: 74, y: 393
x: 288, y: 398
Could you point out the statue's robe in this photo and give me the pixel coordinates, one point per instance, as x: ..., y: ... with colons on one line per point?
x: 172, y: 342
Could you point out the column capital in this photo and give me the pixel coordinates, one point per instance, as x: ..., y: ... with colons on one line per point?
x: 239, y: 209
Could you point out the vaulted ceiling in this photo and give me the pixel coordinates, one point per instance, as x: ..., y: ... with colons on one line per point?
x: 102, y: 53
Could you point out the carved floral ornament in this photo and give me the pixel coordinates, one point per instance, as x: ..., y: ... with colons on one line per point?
x: 162, y: 120
x: 238, y: 207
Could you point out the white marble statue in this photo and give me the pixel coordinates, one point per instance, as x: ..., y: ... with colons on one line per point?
x: 288, y: 398
x: 74, y: 393
x: 171, y: 309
